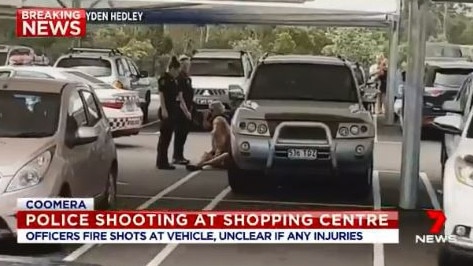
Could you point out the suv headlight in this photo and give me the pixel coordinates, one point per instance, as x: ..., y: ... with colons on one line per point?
x: 464, y: 172
x: 353, y: 130
x: 32, y: 173
x: 253, y: 127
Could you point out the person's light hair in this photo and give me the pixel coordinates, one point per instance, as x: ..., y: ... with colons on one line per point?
x: 217, y: 106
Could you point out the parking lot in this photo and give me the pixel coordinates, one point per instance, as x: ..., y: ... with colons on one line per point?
x: 142, y: 186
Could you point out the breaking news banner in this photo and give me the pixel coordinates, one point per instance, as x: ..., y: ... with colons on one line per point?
x: 70, y: 22
x: 72, y: 221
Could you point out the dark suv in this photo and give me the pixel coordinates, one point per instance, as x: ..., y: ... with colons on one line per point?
x: 303, y: 115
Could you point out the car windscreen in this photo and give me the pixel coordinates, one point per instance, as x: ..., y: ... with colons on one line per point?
x: 451, y: 78
x: 217, y: 67
x: 315, y: 82
x: 3, y: 58
x: 28, y: 114
x: 98, y: 67
x: 443, y: 51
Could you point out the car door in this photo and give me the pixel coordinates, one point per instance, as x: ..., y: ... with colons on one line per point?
x: 136, y: 85
x: 99, y: 166
x: 78, y: 157
x: 464, y: 95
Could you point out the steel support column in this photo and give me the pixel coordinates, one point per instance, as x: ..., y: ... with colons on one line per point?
x: 413, y: 92
x: 392, y: 72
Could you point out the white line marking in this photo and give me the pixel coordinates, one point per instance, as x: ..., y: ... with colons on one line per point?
x: 389, y: 142
x: 268, y: 202
x: 150, y: 124
x: 375, y: 128
x: 378, y: 248
x: 430, y: 190
x: 86, y: 247
x: 150, y: 133
x: 164, y: 253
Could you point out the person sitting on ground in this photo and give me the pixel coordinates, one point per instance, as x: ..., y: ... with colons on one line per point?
x: 220, y: 155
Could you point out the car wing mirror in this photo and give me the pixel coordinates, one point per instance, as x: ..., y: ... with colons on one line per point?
x: 449, y: 124
x: 452, y: 107
x: 85, y: 135
x: 236, y: 92
x: 144, y: 74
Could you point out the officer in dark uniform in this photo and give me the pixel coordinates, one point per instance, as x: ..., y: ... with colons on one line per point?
x: 171, y: 104
x: 183, y: 124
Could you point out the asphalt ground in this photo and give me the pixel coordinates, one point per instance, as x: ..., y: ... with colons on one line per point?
x: 142, y: 186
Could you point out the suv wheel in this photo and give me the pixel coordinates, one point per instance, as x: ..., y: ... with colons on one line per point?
x: 110, y: 195
x: 243, y: 181
x: 363, y: 181
x: 145, y: 107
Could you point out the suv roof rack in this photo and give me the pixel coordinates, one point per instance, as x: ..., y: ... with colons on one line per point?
x: 109, y: 51
x: 218, y: 50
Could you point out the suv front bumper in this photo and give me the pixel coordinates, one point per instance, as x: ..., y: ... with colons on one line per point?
x: 335, y: 156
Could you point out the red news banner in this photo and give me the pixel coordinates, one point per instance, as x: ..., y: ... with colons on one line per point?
x: 53, y: 22
x: 103, y: 227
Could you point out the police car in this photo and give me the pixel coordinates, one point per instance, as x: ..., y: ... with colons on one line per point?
x: 121, y: 107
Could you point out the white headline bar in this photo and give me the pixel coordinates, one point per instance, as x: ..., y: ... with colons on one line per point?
x: 55, y: 204
x: 212, y: 236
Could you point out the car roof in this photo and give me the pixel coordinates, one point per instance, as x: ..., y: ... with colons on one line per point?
x: 8, y: 47
x: 218, y: 53
x: 43, y: 69
x: 305, y: 59
x: 103, y: 56
x: 33, y: 85
x: 450, y: 64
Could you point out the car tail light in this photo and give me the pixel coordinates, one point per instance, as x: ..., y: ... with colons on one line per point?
x: 115, y: 104
x: 118, y: 85
x: 434, y: 92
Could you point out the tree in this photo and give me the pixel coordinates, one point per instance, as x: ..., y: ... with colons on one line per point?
x: 284, y: 44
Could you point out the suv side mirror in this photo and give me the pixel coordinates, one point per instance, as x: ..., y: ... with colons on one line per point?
x: 85, y: 135
x: 144, y: 74
x: 452, y: 107
x: 235, y: 92
x: 449, y: 124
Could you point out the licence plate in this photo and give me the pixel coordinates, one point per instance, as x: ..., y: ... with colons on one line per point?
x: 134, y: 122
x: 203, y: 101
x: 302, y: 154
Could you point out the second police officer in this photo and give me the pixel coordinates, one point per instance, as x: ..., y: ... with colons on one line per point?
x: 183, y: 124
x: 172, y: 102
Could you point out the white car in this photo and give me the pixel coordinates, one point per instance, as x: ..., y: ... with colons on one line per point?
x: 458, y: 189
x: 214, y: 71
x: 121, y: 107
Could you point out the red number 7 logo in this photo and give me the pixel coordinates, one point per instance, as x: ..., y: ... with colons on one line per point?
x: 439, y: 220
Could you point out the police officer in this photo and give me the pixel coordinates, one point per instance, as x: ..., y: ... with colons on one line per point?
x: 171, y: 103
x: 183, y: 122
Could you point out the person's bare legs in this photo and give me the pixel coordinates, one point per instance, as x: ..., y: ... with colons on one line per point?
x: 217, y: 161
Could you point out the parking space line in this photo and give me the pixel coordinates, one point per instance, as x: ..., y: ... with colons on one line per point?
x: 268, y: 202
x: 389, y: 142
x: 378, y: 248
x: 375, y: 128
x: 164, y: 253
x: 150, y: 124
x: 86, y: 247
x: 430, y: 190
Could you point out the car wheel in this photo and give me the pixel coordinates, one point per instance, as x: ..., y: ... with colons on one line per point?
x: 445, y: 258
x: 145, y: 107
x: 443, y: 158
x: 363, y: 182
x: 243, y: 181
x: 110, y: 195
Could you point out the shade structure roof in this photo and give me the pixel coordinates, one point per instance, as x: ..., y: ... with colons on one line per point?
x: 362, y: 13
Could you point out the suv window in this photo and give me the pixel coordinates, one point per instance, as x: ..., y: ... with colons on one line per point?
x: 76, y: 109
x: 315, y: 82
x: 439, y: 50
x: 219, y: 67
x: 462, y: 96
x: 133, y: 69
x: 101, y: 67
x: 93, y: 109
x: 5, y: 74
x: 121, y: 69
x: 3, y: 58
x: 31, y: 74
x: 452, y: 78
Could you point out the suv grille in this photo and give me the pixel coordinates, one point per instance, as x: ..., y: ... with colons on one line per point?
x: 303, y: 133
x: 210, y: 92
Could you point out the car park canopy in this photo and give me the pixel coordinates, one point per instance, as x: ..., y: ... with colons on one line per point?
x: 362, y: 13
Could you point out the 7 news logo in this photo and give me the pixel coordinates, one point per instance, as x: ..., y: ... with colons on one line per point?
x: 435, y: 235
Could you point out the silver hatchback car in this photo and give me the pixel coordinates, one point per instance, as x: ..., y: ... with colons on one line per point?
x: 54, y: 142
